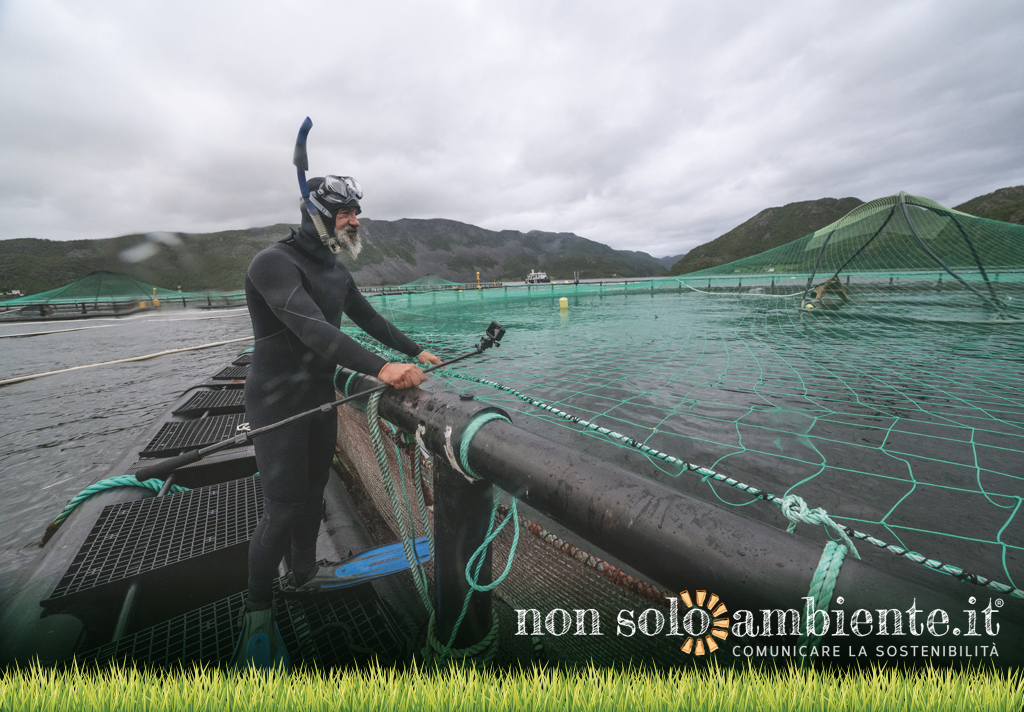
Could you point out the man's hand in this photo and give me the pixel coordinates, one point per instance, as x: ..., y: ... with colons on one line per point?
x: 401, y: 375
x: 427, y: 357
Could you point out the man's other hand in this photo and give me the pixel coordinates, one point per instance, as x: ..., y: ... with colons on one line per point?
x: 401, y: 375
x: 427, y: 357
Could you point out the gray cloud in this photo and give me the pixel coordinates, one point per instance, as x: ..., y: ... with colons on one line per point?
x: 656, y: 126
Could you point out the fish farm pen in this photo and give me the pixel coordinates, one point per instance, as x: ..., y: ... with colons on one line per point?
x: 102, y: 294
x: 679, y: 427
x: 840, y: 418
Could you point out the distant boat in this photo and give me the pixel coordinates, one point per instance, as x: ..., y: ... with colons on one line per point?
x: 537, y: 278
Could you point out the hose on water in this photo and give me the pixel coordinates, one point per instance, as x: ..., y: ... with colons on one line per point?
x: 145, y: 357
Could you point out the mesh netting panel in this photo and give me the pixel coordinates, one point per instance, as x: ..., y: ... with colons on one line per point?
x: 897, y: 258
x: 356, y: 451
x: 543, y: 576
x: 103, y: 286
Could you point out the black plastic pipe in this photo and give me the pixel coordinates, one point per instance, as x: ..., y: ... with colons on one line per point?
x: 462, y: 511
x: 677, y: 540
x: 938, y: 260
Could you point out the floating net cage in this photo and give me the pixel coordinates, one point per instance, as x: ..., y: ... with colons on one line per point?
x: 901, y: 257
x: 873, y: 368
x: 430, y: 281
x: 103, y: 292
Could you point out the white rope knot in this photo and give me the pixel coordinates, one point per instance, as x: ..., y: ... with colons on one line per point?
x: 795, y: 509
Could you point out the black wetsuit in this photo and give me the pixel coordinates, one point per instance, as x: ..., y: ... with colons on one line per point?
x: 296, y: 293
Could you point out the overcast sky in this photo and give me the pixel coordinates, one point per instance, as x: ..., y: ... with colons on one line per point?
x: 654, y: 126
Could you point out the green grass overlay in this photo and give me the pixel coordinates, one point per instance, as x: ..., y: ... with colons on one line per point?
x: 379, y: 688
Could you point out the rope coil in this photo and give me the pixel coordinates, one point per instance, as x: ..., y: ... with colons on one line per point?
x: 480, y: 655
x: 472, y: 428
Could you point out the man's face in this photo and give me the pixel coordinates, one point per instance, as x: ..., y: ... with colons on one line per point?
x: 346, y: 230
x: 346, y: 221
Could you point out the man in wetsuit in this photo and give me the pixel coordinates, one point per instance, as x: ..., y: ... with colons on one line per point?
x: 297, y: 292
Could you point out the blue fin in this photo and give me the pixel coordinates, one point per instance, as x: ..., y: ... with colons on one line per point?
x: 259, y: 643
x: 369, y: 565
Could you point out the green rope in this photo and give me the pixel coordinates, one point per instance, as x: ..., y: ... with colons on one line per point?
x: 795, y: 509
x: 407, y: 530
x: 822, y: 584
x: 437, y: 651
x: 484, y: 651
x: 417, y: 476
x: 467, y: 436
x: 348, y: 382
x: 418, y: 485
x: 111, y: 483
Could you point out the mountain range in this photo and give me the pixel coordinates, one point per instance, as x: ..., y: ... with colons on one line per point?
x: 394, y: 252
x: 399, y: 251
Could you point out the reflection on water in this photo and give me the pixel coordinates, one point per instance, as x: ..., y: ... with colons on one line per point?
x: 60, y: 433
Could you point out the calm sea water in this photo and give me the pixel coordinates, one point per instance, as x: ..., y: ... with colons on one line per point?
x: 60, y: 433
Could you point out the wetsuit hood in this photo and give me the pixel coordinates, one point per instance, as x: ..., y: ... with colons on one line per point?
x: 309, y: 241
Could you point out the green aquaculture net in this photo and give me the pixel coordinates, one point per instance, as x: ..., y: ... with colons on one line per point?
x: 103, y: 287
x: 98, y: 286
x: 887, y: 256
x: 430, y: 281
x: 895, y: 402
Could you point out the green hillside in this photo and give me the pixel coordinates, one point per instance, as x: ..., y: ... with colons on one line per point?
x: 395, y: 252
x: 768, y: 229
x: 1006, y: 204
x: 197, y: 262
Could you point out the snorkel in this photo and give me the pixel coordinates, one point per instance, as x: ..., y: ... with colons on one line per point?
x: 301, y: 162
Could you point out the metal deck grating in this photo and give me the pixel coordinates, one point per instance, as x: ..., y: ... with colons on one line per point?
x: 243, y: 360
x: 248, y: 451
x: 218, y: 402
x: 232, y: 373
x: 344, y: 627
x: 133, y: 538
x: 178, y: 435
x: 328, y: 630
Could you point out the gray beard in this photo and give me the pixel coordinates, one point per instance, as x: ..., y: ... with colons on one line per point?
x: 350, y: 242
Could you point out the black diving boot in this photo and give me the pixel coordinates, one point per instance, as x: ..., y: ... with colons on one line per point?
x: 308, y: 583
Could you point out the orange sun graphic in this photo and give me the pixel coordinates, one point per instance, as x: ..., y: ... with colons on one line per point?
x: 703, y: 622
